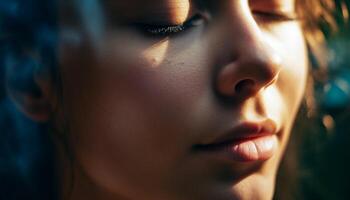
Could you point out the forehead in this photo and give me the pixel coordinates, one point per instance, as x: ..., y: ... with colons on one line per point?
x: 175, y: 11
x: 174, y: 4
x: 181, y: 7
x: 142, y: 8
x: 145, y: 4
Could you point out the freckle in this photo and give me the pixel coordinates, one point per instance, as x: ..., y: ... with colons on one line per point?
x: 155, y: 60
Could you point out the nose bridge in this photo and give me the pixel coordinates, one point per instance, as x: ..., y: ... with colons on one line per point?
x: 239, y: 22
x: 246, y: 39
x: 253, y: 59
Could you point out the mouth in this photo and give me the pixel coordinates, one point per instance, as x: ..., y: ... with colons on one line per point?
x: 247, y: 142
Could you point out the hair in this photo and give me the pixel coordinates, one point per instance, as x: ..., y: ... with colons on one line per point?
x: 319, y: 22
x: 28, y: 42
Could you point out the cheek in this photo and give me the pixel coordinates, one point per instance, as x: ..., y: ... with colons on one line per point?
x: 283, y: 99
x: 294, y: 75
x: 291, y: 83
x: 123, y: 104
x: 292, y: 80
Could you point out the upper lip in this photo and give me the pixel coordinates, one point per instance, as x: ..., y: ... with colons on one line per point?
x: 244, y: 131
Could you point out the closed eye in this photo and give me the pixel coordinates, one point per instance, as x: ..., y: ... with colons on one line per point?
x: 275, y: 16
x: 154, y: 30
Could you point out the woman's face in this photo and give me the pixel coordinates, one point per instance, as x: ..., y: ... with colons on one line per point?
x: 156, y: 110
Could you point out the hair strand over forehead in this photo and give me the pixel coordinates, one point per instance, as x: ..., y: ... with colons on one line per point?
x: 317, y: 17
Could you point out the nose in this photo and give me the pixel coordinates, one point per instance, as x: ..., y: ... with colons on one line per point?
x: 252, y: 71
x: 252, y: 64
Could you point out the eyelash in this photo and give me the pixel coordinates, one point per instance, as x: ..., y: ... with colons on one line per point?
x: 275, y: 17
x: 171, y: 30
x: 168, y: 30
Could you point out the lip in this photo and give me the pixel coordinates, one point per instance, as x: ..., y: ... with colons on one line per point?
x: 246, y: 142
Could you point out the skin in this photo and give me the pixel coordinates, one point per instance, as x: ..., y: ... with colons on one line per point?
x: 136, y: 105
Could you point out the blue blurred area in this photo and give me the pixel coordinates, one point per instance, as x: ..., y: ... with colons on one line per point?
x: 325, y: 154
x: 26, y: 154
x: 26, y: 163
x: 336, y: 92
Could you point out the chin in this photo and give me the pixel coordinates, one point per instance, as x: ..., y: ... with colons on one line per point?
x: 254, y: 187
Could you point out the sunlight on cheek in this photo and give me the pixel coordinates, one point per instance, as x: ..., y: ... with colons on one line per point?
x: 156, y: 54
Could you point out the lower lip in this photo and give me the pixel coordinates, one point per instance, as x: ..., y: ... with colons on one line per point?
x: 257, y: 149
x: 249, y: 150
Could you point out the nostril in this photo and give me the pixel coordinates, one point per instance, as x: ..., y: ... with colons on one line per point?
x: 245, y: 86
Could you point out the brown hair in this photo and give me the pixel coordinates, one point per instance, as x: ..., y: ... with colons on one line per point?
x: 317, y: 18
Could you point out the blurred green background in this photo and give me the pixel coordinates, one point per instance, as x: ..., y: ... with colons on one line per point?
x: 324, y: 141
